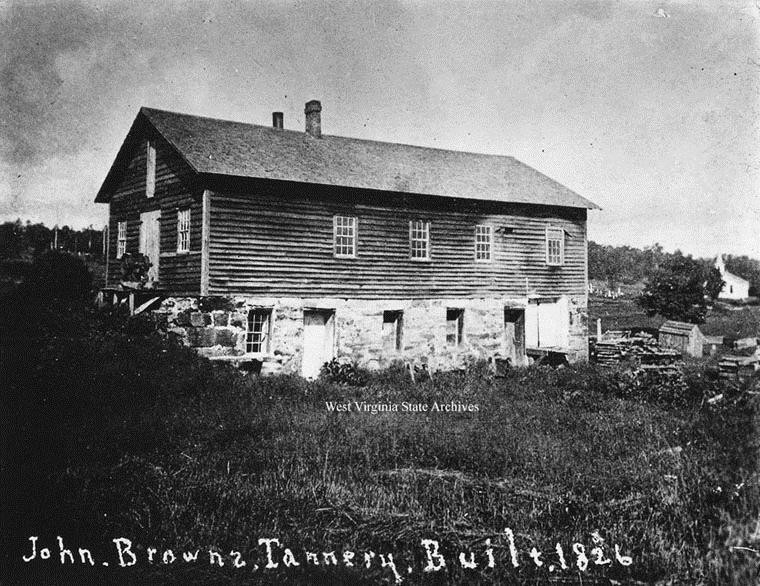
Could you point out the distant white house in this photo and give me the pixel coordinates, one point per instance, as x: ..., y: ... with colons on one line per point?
x: 734, y: 287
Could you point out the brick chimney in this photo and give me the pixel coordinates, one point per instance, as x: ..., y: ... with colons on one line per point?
x: 278, y: 120
x: 313, y: 118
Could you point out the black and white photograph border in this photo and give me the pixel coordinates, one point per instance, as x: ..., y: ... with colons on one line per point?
x: 458, y: 292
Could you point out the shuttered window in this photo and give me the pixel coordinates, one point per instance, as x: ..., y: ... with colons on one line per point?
x: 258, y: 333
x: 555, y: 246
x: 344, y: 236
x: 419, y: 240
x: 121, y: 239
x: 150, y: 175
x: 183, y: 230
x: 483, y: 243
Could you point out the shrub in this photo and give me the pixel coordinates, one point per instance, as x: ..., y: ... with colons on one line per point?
x: 59, y: 276
x: 343, y: 373
x: 134, y: 268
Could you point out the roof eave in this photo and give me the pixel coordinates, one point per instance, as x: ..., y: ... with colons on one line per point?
x: 210, y: 176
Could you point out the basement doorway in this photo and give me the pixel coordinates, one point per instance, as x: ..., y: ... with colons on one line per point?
x: 547, y: 322
x: 318, y: 340
x: 514, y: 335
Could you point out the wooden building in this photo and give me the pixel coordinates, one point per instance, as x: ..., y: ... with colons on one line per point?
x: 682, y: 336
x: 316, y: 246
x: 734, y: 287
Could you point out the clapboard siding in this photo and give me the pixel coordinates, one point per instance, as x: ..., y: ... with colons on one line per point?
x: 176, y: 188
x: 275, y: 239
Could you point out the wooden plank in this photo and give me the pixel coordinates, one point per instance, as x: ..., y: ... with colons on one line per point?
x: 280, y: 243
x: 205, y: 242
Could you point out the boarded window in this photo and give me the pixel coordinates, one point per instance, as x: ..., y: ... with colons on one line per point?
x: 419, y: 239
x: 344, y: 236
x: 183, y: 230
x: 483, y: 243
x: 393, y: 330
x: 121, y: 240
x: 259, y: 328
x: 454, y: 326
x: 555, y: 246
x: 150, y: 175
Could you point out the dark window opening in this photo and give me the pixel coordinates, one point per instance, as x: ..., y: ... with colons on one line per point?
x: 393, y: 330
x: 454, y: 326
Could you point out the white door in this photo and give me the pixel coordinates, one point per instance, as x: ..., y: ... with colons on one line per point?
x: 150, y: 241
x: 547, y: 323
x: 317, y: 341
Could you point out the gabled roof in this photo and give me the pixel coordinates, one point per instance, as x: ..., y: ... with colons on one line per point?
x: 220, y: 147
x: 678, y: 327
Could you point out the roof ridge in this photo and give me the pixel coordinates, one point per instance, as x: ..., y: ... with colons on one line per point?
x: 337, y: 136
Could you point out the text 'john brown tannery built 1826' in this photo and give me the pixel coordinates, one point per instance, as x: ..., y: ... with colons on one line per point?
x: 287, y: 248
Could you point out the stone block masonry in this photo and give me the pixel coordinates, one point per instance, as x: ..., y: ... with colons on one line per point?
x: 217, y: 327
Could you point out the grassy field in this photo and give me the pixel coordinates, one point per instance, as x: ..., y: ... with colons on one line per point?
x: 110, y: 431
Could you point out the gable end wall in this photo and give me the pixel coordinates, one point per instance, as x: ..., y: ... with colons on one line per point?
x: 176, y: 187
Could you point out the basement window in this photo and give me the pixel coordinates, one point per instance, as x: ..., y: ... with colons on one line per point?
x: 393, y: 330
x: 483, y: 243
x: 150, y: 175
x: 121, y: 239
x: 258, y: 335
x: 419, y: 240
x: 454, y: 326
x: 344, y: 236
x: 183, y: 230
x: 555, y: 246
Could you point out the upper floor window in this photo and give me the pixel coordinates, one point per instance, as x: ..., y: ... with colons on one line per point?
x: 150, y: 176
x: 344, y: 236
x: 555, y: 246
x: 483, y: 243
x: 183, y: 230
x: 121, y: 239
x: 258, y: 333
x: 419, y: 240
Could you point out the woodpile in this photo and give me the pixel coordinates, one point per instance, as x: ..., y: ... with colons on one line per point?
x: 738, y: 368
x: 641, y: 350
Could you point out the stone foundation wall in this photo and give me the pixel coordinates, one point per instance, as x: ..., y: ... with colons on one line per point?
x: 216, y: 327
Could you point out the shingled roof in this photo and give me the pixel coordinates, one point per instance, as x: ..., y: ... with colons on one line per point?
x: 222, y: 147
x: 678, y: 327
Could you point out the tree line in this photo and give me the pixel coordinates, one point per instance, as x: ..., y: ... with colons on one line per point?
x: 625, y: 265
x: 24, y: 241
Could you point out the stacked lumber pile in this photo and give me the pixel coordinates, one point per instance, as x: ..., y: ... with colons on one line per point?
x: 641, y: 349
x: 738, y: 368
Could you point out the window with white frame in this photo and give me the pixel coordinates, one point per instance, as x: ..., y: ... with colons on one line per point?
x: 454, y: 326
x: 555, y: 246
x: 121, y: 239
x: 419, y: 240
x: 258, y: 334
x: 183, y: 230
x: 483, y: 243
x: 344, y: 236
x: 393, y: 331
x: 150, y: 175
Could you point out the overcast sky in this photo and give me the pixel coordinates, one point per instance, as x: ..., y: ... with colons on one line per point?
x: 649, y: 109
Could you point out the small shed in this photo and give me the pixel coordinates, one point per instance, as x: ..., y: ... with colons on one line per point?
x: 712, y: 344
x: 682, y: 336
